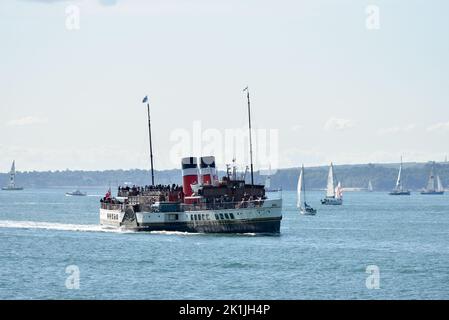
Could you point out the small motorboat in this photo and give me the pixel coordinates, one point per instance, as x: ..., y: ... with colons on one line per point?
x: 76, y: 193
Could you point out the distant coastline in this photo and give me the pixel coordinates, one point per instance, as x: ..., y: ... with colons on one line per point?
x: 382, y: 176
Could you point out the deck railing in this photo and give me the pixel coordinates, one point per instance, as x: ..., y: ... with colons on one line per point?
x: 223, y: 205
x: 195, y: 206
x: 112, y: 206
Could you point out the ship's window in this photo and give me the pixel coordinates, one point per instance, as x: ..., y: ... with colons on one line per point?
x: 172, y: 217
x: 196, y: 218
x: 227, y: 216
x: 203, y: 216
x: 191, y: 217
x: 221, y: 216
x: 199, y: 217
x: 207, y: 216
x: 216, y: 217
x: 232, y: 216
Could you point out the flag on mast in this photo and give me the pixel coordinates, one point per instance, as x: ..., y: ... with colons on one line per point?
x: 145, y: 100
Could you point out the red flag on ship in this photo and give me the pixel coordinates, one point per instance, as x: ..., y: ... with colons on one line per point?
x: 108, y: 194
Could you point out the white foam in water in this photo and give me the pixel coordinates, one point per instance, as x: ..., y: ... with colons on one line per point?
x: 55, y: 226
x: 77, y: 227
x: 178, y: 233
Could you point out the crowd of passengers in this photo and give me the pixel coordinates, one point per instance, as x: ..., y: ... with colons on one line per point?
x: 136, y: 190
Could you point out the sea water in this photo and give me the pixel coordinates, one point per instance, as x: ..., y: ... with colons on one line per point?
x: 374, y: 246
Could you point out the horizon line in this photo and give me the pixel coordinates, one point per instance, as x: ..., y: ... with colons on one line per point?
x: 259, y: 170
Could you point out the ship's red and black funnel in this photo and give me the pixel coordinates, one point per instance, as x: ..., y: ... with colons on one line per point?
x: 208, y: 171
x: 189, y: 174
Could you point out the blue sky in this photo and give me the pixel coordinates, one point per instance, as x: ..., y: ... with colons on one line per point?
x: 333, y: 89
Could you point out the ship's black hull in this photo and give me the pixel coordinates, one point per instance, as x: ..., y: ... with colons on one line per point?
x: 263, y: 226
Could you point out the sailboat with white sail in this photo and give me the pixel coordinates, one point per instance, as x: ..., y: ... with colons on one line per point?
x: 370, y: 187
x: 334, y: 193
x: 12, y: 179
x: 399, y: 189
x: 434, y: 185
x: 304, y: 208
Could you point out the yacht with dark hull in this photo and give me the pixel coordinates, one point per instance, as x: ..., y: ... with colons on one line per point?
x: 399, y: 189
x: 301, y: 204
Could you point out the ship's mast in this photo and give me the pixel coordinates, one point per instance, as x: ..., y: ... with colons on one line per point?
x: 250, y: 139
x: 149, y: 134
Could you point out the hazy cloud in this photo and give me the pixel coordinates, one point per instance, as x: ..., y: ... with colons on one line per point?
x: 102, y: 2
x: 297, y: 127
x: 398, y: 129
x: 25, y: 121
x: 441, y: 126
x: 338, y: 124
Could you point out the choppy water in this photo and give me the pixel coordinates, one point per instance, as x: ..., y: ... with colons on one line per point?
x: 42, y: 232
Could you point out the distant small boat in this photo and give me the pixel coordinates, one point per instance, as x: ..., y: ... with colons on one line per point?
x: 399, y: 188
x: 434, y: 185
x: 76, y: 193
x: 12, y: 179
x: 304, y: 208
x: 334, y: 194
x: 370, y: 187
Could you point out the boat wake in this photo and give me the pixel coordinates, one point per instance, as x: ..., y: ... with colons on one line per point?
x: 177, y: 233
x: 78, y: 227
x: 12, y: 224
x: 56, y: 226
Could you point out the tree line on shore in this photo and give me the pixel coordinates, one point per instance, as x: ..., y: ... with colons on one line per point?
x: 382, y: 176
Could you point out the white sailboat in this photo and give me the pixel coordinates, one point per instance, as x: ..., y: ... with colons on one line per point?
x: 440, y: 186
x: 304, y: 208
x: 334, y: 194
x: 434, y: 185
x: 399, y: 188
x: 370, y: 186
x: 12, y: 179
